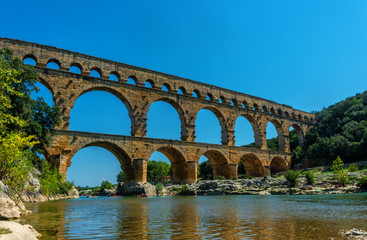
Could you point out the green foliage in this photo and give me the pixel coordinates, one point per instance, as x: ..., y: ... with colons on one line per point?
x: 234, y: 178
x: 292, y: 177
x: 352, y: 168
x: 105, y: 185
x: 120, y: 177
x: 310, y: 177
x: 339, y: 172
x: 158, y: 171
x: 221, y: 178
x: 264, y: 178
x: 206, y: 171
x: 184, y: 189
x: 362, y: 183
x: 159, y: 187
x: 52, y: 182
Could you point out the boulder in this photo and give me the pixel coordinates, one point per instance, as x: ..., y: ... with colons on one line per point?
x: 18, y: 231
x: 137, y: 189
x: 8, y: 208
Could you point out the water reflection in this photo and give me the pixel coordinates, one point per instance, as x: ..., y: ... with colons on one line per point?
x: 214, y: 217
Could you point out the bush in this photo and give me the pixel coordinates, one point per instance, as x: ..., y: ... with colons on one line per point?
x: 184, y: 189
x: 362, y: 183
x: 339, y: 172
x: 264, y: 178
x: 234, y: 178
x: 310, y: 177
x: 159, y: 187
x: 221, y: 178
x: 106, y: 185
x: 292, y: 177
x: 353, y: 168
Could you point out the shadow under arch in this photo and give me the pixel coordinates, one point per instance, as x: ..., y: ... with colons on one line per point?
x: 299, y: 132
x: 180, y: 167
x: 117, y: 94
x: 253, y: 165
x: 222, y: 122
x: 118, y: 152
x: 278, y: 164
x: 280, y: 133
x: 180, y: 112
x: 255, y: 129
x: 219, y: 164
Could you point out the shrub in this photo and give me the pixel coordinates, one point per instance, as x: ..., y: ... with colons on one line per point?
x: 221, y: 178
x: 339, y: 172
x: 353, y: 168
x: 184, y: 189
x: 159, y: 187
x: 362, y: 183
x: 292, y: 177
x: 234, y: 178
x: 310, y: 177
x: 106, y: 185
x: 264, y: 178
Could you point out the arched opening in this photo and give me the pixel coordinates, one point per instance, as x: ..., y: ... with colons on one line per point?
x: 159, y: 168
x: 265, y: 109
x: 166, y: 87
x: 272, y: 137
x: 165, y: 120
x: 181, y: 91
x: 196, y: 93
x: 278, y: 164
x: 132, y: 80
x: 209, y: 97
x: 114, y: 76
x: 95, y: 73
x: 97, y: 162
x: 30, y: 60
x: 149, y: 83
x: 100, y: 111
x: 280, y: 112
x: 43, y: 93
x: 218, y: 163
x: 53, y: 64
x: 253, y: 165
x: 255, y: 107
x: 244, y: 132
x: 245, y: 104
x: 210, y: 126
x: 180, y: 170
x: 75, y: 69
x: 295, y: 136
x: 234, y: 102
x: 222, y: 99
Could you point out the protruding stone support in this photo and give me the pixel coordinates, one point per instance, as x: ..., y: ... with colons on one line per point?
x: 262, y: 143
x: 228, y: 138
x: 139, y: 127
x: 233, y: 170
x: 188, y: 134
x: 287, y: 147
x: 60, y: 161
x: 192, y: 172
x: 140, y: 168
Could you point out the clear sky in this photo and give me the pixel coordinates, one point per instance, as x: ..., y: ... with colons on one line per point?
x: 307, y: 54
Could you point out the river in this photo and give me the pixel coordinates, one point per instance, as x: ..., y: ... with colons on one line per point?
x: 202, y: 217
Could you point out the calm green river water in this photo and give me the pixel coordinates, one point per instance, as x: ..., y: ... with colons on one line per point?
x: 202, y: 217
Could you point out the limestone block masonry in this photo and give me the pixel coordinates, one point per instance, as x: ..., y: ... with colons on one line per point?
x: 188, y: 97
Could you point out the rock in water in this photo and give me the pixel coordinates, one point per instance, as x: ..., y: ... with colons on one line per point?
x: 137, y: 189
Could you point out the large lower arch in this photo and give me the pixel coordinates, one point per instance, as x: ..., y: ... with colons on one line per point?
x: 278, y: 164
x: 219, y: 164
x: 182, y: 172
x: 222, y: 123
x: 118, y: 152
x: 179, y: 111
x: 253, y: 165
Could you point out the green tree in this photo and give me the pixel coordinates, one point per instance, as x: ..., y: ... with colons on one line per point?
x: 206, y: 171
x: 339, y: 172
x: 158, y: 171
x: 105, y: 185
x: 120, y: 177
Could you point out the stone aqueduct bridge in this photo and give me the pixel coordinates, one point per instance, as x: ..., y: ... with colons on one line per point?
x: 188, y: 97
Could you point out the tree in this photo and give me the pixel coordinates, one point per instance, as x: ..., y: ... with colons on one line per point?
x: 106, y: 185
x: 120, y: 177
x: 158, y: 171
x: 206, y: 171
x: 339, y: 172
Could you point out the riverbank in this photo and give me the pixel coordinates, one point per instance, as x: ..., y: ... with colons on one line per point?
x: 276, y: 185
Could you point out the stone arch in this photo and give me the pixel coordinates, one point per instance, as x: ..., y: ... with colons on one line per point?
x: 264, y: 109
x: 179, y: 165
x: 222, y: 99
x: 280, y: 112
x: 197, y: 92
x: 151, y: 82
x: 182, y: 89
x: 253, y: 165
x: 54, y: 60
x: 299, y: 132
x: 134, y: 79
x: 180, y: 112
x: 234, y: 102
x: 209, y: 97
x: 169, y: 89
x: 286, y: 114
x: 117, y: 94
x: 278, y: 164
x: 255, y: 107
x: 222, y: 122
x: 245, y: 104
x: 116, y: 74
x: 78, y: 65
x: 98, y: 70
x: 122, y: 156
x: 48, y: 86
x: 255, y: 129
x: 31, y: 56
x: 280, y: 133
x: 219, y: 163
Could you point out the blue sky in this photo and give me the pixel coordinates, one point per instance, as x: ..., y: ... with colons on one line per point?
x: 307, y: 54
